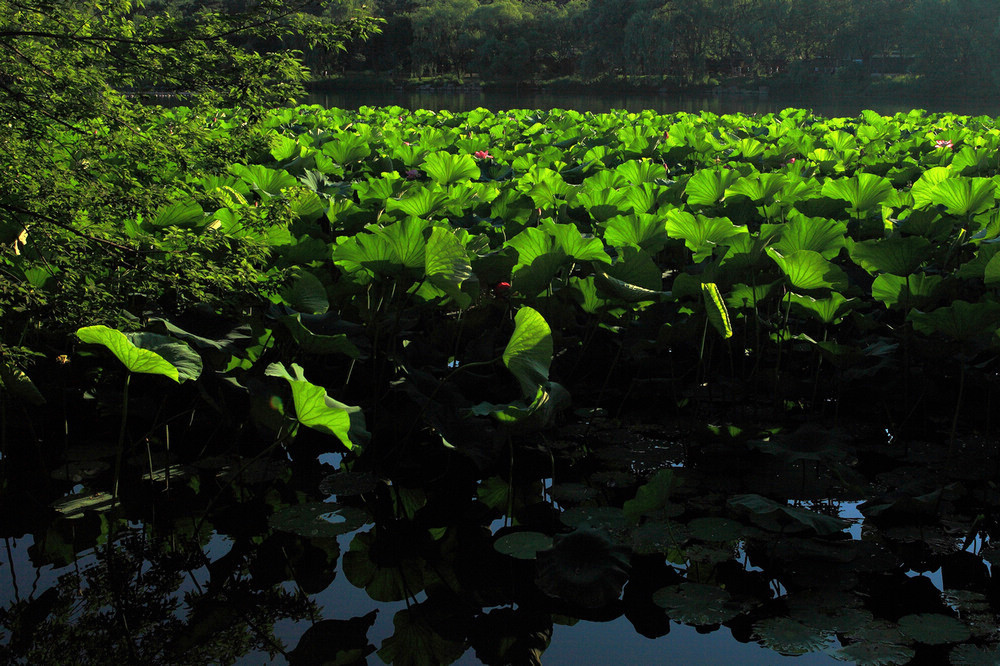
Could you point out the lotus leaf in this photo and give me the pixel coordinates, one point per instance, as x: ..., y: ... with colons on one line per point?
x: 315, y: 409
x: 933, y: 628
x: 523, y: 545
x: 529, y: 351
x: 696, y: 604
x: 808, y: 270
x: 148, y: 353
x: 583, y: 568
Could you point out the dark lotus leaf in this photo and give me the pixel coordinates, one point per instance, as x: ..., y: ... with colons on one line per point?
x: 874, y: 654
x: 791, y: 549
x: 708, y: 554
x: 347, y: 484
x: 806, y: 443
x: 902, y: 506
x: 827, y: 616
x: 974, y: 655
x: 523, y: 545
x: 508, y: 636
x: 696, y: 604
x: 95, y: 451
x: 319, y: 519
x: 415, y: 642
x: 572, y: 493
x: 163, y: 474
x: 780, y: 517
x: 389, y: 575
x: 788, y: 636
x: 607, y: 518
x: 79, y: 470
x: 933, y: 628
x: 334, y: 642
x: 583, y: 568
x: 612, y: 479
x: 966, y: 601
x: 658, y: 537
x: 716, y: 529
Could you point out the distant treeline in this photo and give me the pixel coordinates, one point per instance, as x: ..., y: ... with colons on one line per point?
x: 946, y: 43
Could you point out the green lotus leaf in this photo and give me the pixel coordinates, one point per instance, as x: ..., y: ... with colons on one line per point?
x: 964, y: 196
x: 576, y: 245
x: 779, y: 517
x: 696, y: 604
x: 420, y: 202
x: 529, y: 351
x: 961, y: 320
x: 743, y: 296
x: 923, y: 190
x: 147, y: 353
x: 638, y: 172
x: 539, y: 258
x: 701, y: 234
x: 905, y: 292
x: 284, y: 147
x: 20, y: 386
x: 897, y: 255
x: 760, y: 188
x: 315, y: 409
x: 384, y: 575
x: 715, y: 307
x: 313, y: 343
x: 406, y: 241
x: 862, y: 191
x: 645, y: 231
x: 603, y: 204
x: 584, y: 568
x: 319, y: 519
x: 306, y: 294
x: 609, y: 519
x: 645, y: 197
x: 808, y: 233
x: 808, y: 270
x: 875, y: 654
x: 268, y: 182
x: 830, y: 310
x: 307, y: 205
x: 651, y: 496
x: 181, y: 214
x: 634, y: 277
x: 933, y: 628
x: 75, y: 505
x: 715, y: 529
x: 659, y: 536
x: 523, y: 545
x: 346, y: 148
x: 416, y: 643
x: 974, y: 655
x: 446, y: 264
x: 447, y: 169
x: 708, y: 186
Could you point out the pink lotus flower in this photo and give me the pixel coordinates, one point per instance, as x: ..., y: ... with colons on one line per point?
x: 413, y: 174
x: 500, y: 289
x: 944, y: 143
x: 482, y: 155
x: 791, y: 161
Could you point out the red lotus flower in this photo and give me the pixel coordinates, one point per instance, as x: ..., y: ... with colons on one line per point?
x: 791, y: 161
x: 500, y: 289
x: 482, y: 155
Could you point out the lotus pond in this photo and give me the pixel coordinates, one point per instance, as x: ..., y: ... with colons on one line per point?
x: 722, y: 383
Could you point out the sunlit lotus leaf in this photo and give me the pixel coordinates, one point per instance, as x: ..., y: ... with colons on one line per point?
x: 830, y: 310
x: 319, y: 519
x: 645, y: 231
x: 811, y: 233
x: 716, y: 529
x: 787, y: 636
x: 780, y: 517
x: 905, y: 292
x: 638, y: 172
x: 584, y: 568
x: 964, y: 196
x: 701, y: 234
x: 346, y: 148
x: 708, y: 186
x: 446, y: 264
x: 306, y: 294
x: 645, y: 197
x: 20, y: 386
x: 315, y: 409
x: 181, y: 214
x: 923, y: 190
x: 743, y: 296
x: 447, y: 169
x: 933, y: 628
x: 603, y: 204
x: 420, y: 202
x: 283, y: 147
x: 335, y: 642
x: 523, y: 545
x: 696, y: 604
x: 148, y: 353
x: 840, y: 140
x: 760, y: 188
x: 74, y: 506
x: 897, y: 255
x: 529, y: 351
x: 576, y: 245
x: 974, y: 655
x: 415, y: 642
x: 874, y: 654
x: 715, y: 308
x: 268, y: 182
x: 961, y: 320
x: 862, y: 191
x: 808, y: 270
x: 652, y: 495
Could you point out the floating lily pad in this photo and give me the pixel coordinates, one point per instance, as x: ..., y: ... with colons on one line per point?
x: 348, y: 484
x: 613, y: 479
x: 163, y: 473
x: 716, y: 529
x: 933, y: 628
x: 974, y: 655
x: 658, y: 537
x: 708, y: 554
x: 318, y: 519
x: 596, y: 517
x: 788, y: 636
x: 874, y: 654
x: 74, y: 506
x: 696, y: 604
x: 572, y: 493
x: 523, y: 545
x: 584, y: 568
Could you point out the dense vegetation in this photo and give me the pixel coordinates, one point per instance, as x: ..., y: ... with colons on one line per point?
x: 943, y: 45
